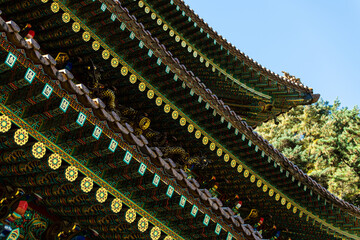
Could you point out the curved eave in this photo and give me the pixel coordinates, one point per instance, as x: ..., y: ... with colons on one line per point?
x: 227, y: 48
x: 215, y: 78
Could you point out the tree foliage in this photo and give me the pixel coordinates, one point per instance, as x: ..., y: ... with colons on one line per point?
x: 324, y: 141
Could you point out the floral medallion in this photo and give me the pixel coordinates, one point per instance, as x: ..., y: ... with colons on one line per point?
x: 21, y: 137
x: 116, y: 205
x: 66, y: 17
x: 38, y: 150
x: 96, y: 45
x: 182, y: 121
x: 76, y: 27
x: 54, y: 161
x: 87, y: 184
x: 124, y: 71
x: 130, y: 215
x: 219, y: 152
x: 71, y: 173
x: 86, y: 36
x: 5, y: 124
x: 101, y: 195
x: 155, y: 233
x: 133, y: 78
x: 143, y: 224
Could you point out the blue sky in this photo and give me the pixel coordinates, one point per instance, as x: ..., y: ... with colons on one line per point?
x: 318, y: 41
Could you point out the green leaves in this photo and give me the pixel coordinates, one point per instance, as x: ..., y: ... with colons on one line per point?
x: 324, y: 141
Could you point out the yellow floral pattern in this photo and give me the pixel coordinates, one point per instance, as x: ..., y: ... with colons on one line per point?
x: 21, y: 137
x: 71, y: 173
x: 116, y: 205
x: 101, y: 195
x: 54, y: 161
x: 87, y: 184
x: 130, y: 215
x: 38, y: 150
x: 143, y: 224
x: 5, y: 124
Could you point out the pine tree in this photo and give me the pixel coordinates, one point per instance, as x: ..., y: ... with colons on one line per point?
x: 324, y: 141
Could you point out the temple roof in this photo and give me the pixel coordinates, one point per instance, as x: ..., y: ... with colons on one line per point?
x: 233, y: 138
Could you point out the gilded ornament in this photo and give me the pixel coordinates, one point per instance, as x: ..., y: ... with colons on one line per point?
x: 142, y: 87
x: 288, y: 205
x: 283, y: 202
x: 144, y: 123
x: 114, y: 62
x: 271, y: 192
x: 175, y: 115
x: 165, y: 27
x: 207, y: 64
x: 153, y: 16
x: 252, y: 178
x: 150, y: 94
x: 171, y: 33
x: 124, y: 71
x: 294, y: 210
x: 259, y: 183
x: 101, y: 195
x: 201, y: 59
x: 213, y: 69
x: 159, y: 21
x: 55, y: 7
x: 219, y: 152
x: 71, y: 173
x: 38, y: 150
x: 212, y: 146
x: 66, y: 17
x: 239, y: 168
x: 277, y: 197
x: 76, y: 27
x: 143, y: 224
x: 5, y: 124
x: 106, y: 54
x: 182, y: 121
x: 133, y: 78
x: 155, y: 233
x: 233, y: 163
x: 147, y: 10
x: 301, y: 214
x: 195, y: 54
x: 44, y: 1
x: 205, y: 140
x: 21, y: 137
x: 158, y: 101
x: 167, y: 108
x: 116, y: 205
x: 246, y: 173
x: 197, y: 134
x: 190, y: 128
x: 226, y: 157
x: 189, y: 49
x: 87, y: 184
x: 96, y: 45
x: 183, y: 44
x: 265, y: 188
x: 54, y: 161
x: 177, y: 38
x: 141, y: 4
x: 86, y: 36
x: 130, y: 215
x: 168, y: 238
